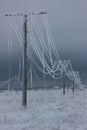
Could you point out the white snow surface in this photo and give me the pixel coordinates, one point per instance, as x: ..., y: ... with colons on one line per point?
x: 46, y: 110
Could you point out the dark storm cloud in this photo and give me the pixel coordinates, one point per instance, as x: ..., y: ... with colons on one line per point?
x: 68, y: 21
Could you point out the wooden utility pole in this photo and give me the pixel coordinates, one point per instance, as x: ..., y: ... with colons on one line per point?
x: 24, y: 96
x: 63, y: 78
x: 73, y: 86
x: 31, y: 76
x: 25, y: 15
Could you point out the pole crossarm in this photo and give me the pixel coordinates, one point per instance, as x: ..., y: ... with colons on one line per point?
x: 26, y: 13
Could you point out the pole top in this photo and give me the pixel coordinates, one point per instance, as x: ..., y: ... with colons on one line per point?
x: 26, y: 13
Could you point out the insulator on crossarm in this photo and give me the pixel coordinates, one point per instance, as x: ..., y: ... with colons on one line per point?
x: 6, y: 14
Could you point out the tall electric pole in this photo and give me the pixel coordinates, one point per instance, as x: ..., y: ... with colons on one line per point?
x: 24, y: 96
x: 73, y: 86
x: 25, y: 16
x: 63, y: 79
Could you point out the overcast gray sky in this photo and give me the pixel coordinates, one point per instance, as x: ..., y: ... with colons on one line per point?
x: 68, y: 21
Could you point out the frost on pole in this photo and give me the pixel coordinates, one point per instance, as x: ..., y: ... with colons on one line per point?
x: 25, y: 63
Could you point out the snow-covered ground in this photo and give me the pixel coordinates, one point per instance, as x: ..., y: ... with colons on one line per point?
x: 46, y: 110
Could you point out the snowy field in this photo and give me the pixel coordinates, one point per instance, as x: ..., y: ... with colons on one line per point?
x: 46, y: 110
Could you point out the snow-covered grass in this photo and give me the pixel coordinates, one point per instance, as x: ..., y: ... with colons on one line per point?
x: 46, y: 110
